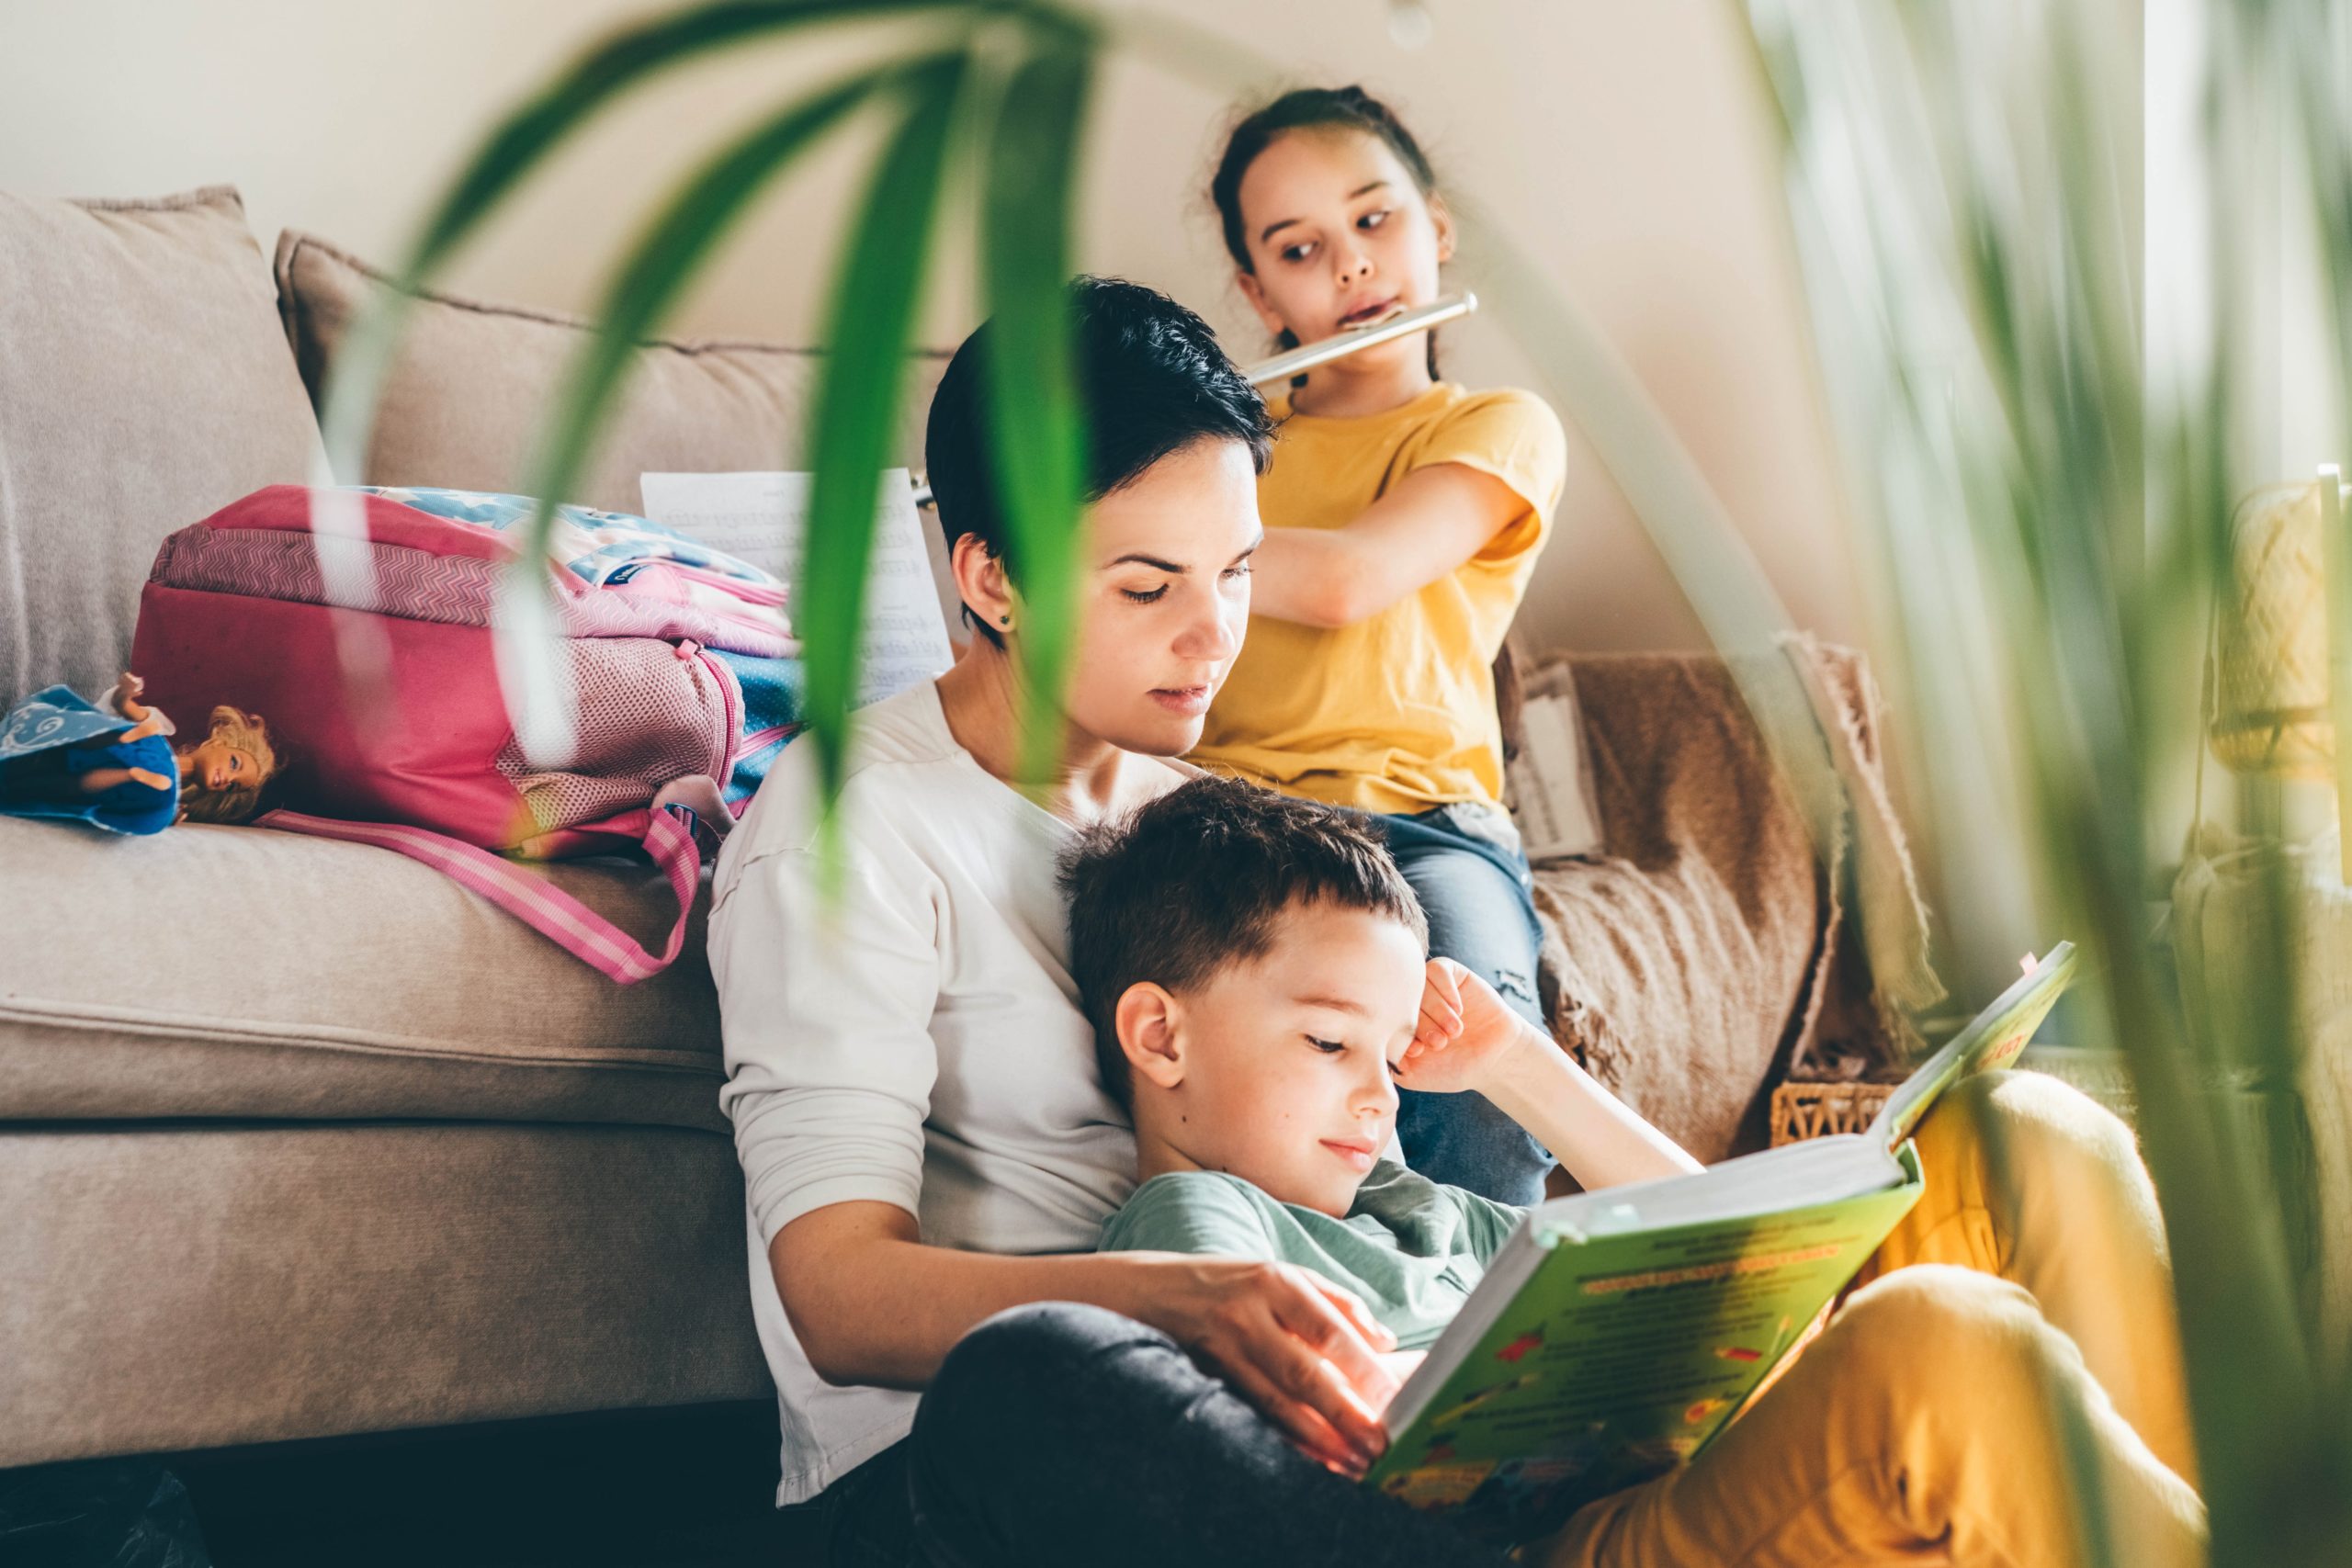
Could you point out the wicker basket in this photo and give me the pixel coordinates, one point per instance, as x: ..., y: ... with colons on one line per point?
x: 1803, y: 1110
x: 2272, y: 698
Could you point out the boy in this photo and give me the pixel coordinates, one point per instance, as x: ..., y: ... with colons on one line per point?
x: 1253, y: 967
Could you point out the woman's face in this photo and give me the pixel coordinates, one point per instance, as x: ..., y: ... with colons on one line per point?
x: 1339, y: 236
x: 1164, y: 598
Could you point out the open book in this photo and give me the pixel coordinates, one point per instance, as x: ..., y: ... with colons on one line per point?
x: 1618, y: 1331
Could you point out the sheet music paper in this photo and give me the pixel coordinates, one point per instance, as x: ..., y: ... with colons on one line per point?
x: 762, y: 518
x: 1550, y: 791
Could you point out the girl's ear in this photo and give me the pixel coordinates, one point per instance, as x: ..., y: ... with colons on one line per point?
x: 1442, y: 216
x: 1255, y: 292
x: 981, y: 583
x: 1152, y: 1035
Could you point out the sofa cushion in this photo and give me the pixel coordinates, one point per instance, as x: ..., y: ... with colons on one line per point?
x: 187, y: 1287
x: 143, y: 384
x: 472, y: 384
x: 241, y: 972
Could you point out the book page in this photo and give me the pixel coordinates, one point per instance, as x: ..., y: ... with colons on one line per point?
x: 762, y: 518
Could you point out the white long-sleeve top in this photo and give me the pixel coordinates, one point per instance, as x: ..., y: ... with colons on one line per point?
x: 916, y: 1041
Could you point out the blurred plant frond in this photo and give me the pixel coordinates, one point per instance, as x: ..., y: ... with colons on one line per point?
x: 2045, y: 465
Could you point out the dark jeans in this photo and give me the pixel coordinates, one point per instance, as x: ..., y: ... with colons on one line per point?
x: 1061, y: 1434
x: 1480, y: 902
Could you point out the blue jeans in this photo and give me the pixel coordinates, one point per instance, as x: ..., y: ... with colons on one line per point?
x: 1480, y: 902
x: 1057, y: 1434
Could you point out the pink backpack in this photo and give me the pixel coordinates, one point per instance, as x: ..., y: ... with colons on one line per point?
x: 377, y: 679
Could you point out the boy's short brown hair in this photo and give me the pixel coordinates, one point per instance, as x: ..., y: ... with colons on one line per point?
x: 1194, y: 881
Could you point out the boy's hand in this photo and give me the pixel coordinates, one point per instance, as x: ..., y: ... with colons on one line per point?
x: 1466, y: 1034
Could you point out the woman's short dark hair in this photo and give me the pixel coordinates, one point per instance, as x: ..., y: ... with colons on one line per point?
x: 1153, y: 381
x: 1194, y: 881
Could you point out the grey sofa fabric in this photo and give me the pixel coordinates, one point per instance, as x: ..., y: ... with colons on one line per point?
x: 239, y: 972
x: 177, y: 1287
x: 140, y: 391
x: 473, y: 383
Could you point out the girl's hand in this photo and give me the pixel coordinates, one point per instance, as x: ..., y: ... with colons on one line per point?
x: 1465, y: 1035
x: 1306, y: 1352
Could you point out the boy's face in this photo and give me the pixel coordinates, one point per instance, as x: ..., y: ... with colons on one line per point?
x: 1277, y: 1071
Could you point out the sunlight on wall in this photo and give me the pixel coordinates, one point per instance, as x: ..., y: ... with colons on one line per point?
x: 1628, y: 143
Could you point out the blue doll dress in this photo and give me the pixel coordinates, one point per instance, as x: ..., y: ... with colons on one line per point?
x: 40, y: 741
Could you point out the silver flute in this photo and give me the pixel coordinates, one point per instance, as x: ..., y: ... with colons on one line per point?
x: 1355, y: 339
x: 1339, y: 346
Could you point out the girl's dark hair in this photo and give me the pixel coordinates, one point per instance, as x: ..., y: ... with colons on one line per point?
x: 1152, y: 377
x: 1310, y: 108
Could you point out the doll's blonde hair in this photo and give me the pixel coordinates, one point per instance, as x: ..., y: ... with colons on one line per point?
x: 240, y: 731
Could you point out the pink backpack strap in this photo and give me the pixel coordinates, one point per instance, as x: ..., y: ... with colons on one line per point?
x: 533, y: 900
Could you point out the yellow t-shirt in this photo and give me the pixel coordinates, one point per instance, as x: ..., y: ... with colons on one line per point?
x: 1396, y: 713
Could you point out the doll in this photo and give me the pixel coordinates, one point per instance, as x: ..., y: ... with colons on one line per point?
x: 113, y: 767
x: 221, y: 776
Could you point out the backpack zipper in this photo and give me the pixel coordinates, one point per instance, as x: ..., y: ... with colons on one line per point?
x: 730, y: 748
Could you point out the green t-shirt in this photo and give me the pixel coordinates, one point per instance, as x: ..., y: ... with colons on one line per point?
x: 1412, y: 1249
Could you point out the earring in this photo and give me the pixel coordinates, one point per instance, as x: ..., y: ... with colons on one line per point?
x: 1007, y: 620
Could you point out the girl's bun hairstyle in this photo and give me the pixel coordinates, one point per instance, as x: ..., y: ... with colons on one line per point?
x: 1310, y: 108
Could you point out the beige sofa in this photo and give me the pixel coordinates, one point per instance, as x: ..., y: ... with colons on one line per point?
x: 296, y: 1138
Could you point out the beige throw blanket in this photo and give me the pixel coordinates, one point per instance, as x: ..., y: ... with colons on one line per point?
x: 1708, y: 950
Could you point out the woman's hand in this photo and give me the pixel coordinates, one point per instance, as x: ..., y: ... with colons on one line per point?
x: 1465, y: 1036
x: 1306, y: 1352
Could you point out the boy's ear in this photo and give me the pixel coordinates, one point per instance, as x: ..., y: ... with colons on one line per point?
x: 1150, y: 1025
x: 1254, y: 292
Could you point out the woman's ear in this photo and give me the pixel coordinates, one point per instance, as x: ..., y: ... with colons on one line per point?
x: 1442, y: 216
x: 1255, y: 292
x: 981, y: 584
x: 1151, y: 1036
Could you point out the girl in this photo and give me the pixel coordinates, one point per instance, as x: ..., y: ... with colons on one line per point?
x: 1404, y: 514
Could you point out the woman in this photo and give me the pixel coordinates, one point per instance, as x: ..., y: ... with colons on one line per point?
x: 911, y: 1084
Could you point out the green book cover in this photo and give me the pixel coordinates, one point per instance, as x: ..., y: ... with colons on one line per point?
x: 1992, y: 1039
x: 1618, y: 1331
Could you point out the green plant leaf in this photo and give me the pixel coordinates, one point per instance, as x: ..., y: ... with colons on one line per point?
x: 606, y: 71
x: 698, y: 217
x: 1037, y: 425
x: 1717, y: 572
x: 519, y: 144
x: 1977, y: 287
x: 872, y: 319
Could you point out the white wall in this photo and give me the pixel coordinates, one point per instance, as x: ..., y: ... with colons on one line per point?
x: 1628, y: 143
